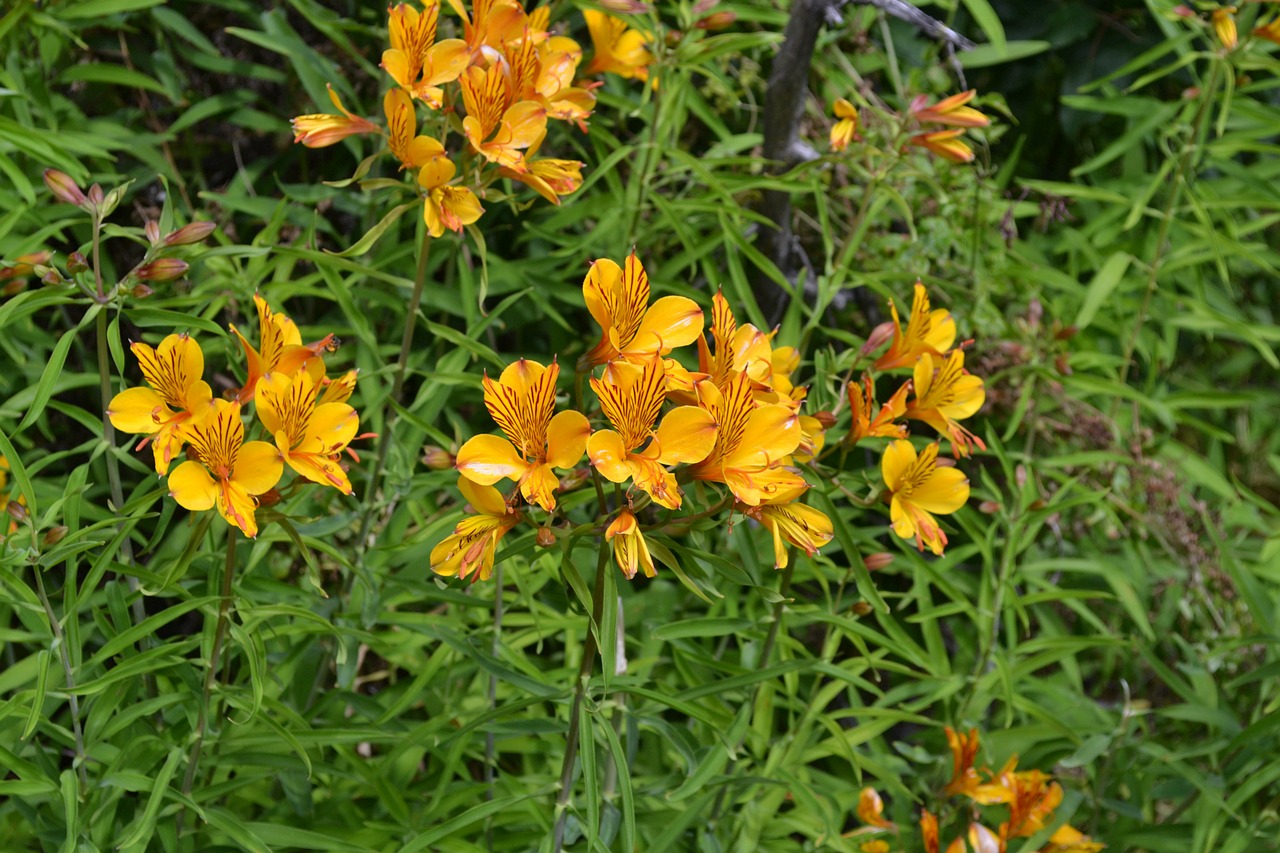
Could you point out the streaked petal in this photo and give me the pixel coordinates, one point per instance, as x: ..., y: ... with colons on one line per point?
x: 236, y: 505
x: 539, y: 485
x: 943, y: 493
x: 898, y: 459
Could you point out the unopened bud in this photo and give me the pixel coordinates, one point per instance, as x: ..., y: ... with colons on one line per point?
x: 270, y: 497
x: 826, y: 418
x: 17, y: 510
x: 437, y: 458
x: 53, y: 536
x: 545, y: 537
x: 1184, y: 11
x: 1065, y: 333
x: 624, y: 7
x: 946, y: 462
x: 77, y: 263
x: 861, y: 608
x: 1037, y: 504
x: 574, y: 479
x: 95, y: 194
x: 196, y: 232
x: 702, y: 7
x: 879, y: 336
x: 152, y: 230
x: 141, y: 291
x: 14, y: 287
x: 51, y: 276
x: 1063, y: 363
x: 877, y: 561
x: 988, y: 507
x: 64, y: 189
x: 163, y: 269
x: 717, y: 20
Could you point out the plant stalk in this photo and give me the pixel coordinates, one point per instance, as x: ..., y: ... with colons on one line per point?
x: 73, y: 701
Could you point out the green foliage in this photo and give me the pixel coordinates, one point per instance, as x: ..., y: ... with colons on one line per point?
x: 1106, y: 609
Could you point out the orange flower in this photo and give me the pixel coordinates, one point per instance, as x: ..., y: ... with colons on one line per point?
x: 177, y: 397
x: 240, y: 470
x: 413, y: 151
x: 321, y: 129
x: 1067, y: 839
x: 618, y: 299
x: 736, y: 349
x: 945, y: 393
x: 929, y: 832
x: 950, y: 111
x: 445, y: 206
x: 978, y: 839
x: 493, y: 24
x: 521, y: 403
x: 801, y: 525
x: 845, y: 130
x: 629, y: 548
x: 497, y: 125
x: 1269, y: 31
x: 414, y: 60
x: 920, y: 489
x: 870, y: 810
x: 544, y: 72
x: 928, y: 331
x: 618, y: 49
x: 551, y: 178
x: 474, y: 541
x: 631, y: 398
x: 310, y: 434
x: 281, y: 349
x: 862, y: 403
x: 945, y: 143
x: 964, y: 749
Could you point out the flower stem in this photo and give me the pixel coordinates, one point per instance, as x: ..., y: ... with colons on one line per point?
x: 219, y: 635
x: 73, y: 701
x: 397, y: 387
x: 490, y: 746
x: 589, y: 649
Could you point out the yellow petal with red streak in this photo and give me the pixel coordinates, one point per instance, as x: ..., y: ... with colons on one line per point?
x: 898, y: 458
x: 942, y: 493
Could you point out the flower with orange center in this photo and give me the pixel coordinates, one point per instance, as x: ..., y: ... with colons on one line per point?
x: 618, y: 49
x: 978, y: 839
x: 929, y: 832
x: 177, y: 397
x: 1224, y: 26
x: 629, y: 548
x: 322, y: 129
x: 945, y: 393
x: 631, y: 397
x: 446, y: 206
x: 521, y: 403
x: 949, y: 111
x: 543, y: 71
x: 867, y: 422
x: 470, y: 549
x: 870, y: 809
x: 845, y: 130
x: 231, y: 471
x: 551, y: 178
x: 618, y: 299
x: 415, y: 61
x: 411, y: 149
x: 920, y: 490
x: 310, y: 435
x: 928, y: 331
x: 280, y: 349
x: 497, y: 125
x: 964, y: 749
x: 751, y: 444
x: 945, y: 143
x: 1035, y: 797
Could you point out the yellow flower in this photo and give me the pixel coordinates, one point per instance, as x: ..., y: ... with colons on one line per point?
x: 240, y: 470
x: 497, y: 125
x: 964, y: 749
x: 445, y: 206
x: 415, y: 61
x: 339, y: 390
x: 20, y: 500
x: 752, y: 442
x: 1068, y: 839
x: 870, y: 810
x: 632, y: 397
x: 1033, y: 798
x: 521, y: 403
x: 280, y: 349
x: 950, y: 111
x: 471, y: 546
x: 945, y: 393
x: 412, y: 150
x: 310, y: 435
x: 617, y: 48
x: 1269, y: 31
x: 1224, y: 26
x: 177, y: 397
x: 875, y: 846
x: 495, y: 23
x: 945, y: 143
x: 929, y: 831
x: 978, y: 839
x: 845, y: 130
x: 551, y: 178
x: 867, y: 422
x: 321, y: 129
x: 801, y: 525
x: 629, y: 548
x: 921, y: 489
x: 928, y: 331
x: 735, y: 349
x: 618, y: 299
x: 543, y: 71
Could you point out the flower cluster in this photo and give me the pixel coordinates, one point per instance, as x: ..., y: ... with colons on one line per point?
x: 953, y: 114
x: 304, y: 415
x: 732, y: 425
x: 1029, y: 797
x: 507, y: 74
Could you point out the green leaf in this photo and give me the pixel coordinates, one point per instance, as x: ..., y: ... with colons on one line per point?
x: 100, y: 8
x: 52, y: 372
x: 988, y: 21
x: 986, y: 55
x: 1101, y: 287
x: 365, y: 243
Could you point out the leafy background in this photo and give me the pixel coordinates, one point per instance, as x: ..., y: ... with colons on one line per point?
x: 1107, y: 608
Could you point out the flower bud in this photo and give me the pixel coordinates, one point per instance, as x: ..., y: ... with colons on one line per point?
x: 53, y: 536
x: 152, y: 230
x: 270, y: 497
x: 437, y: 458
x: 879, y: 560
x: 64, y: 189
x: 95, y: 195
x: 574, y: 479
x: 17, y: 510
x: 1065, y: 333
x: 1184, y: 11
x: 717, y: 20
x: 141, y: 291
x: 51, y: 276
x: 988, y: 507
x: 163, y: 269
x: 879, y: 336
x: 624, y: 7
x: 195, y: 232
x: 545, y: 537
x: 77, y: 263
x: 826, y: 418
x: 14, y: 287
x: 861, y: 608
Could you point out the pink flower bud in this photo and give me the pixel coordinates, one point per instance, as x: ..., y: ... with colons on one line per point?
x: 152, y: 230
x: 437, y: 458
x: 77, y: 263
x: 879, y: 560
x: 96, y: 195
x: 64, y: 189
x: 624, y: 7
x: 163, y: 269
x: 879, y: 336
x: 196, y: 232
x: 545, y: 537
x: 141, y: 291
x: 717, y: 20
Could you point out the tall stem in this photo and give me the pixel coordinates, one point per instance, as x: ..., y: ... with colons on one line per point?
x: 490, y: 745
x: 589, y: 650
x: 397, y: 387
x: 73, y: 701
x: 219, y: 635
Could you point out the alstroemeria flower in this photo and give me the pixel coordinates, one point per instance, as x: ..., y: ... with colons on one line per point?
x: 949, y: 111
x: 791, y: 521
x: 618, y: 49
x: 845, y: 130
x: 618, y: 299
x: 1034, y: 797
x: 629, y: 548
x: 964, y: 750
x: 521, y: 403
x: 445, y: 206
x: 752, y: 443
x: 231, y: 471
x: 280, y: 349
x: 339, y: 390
x: 309, y: 434
x: 631, y: 398
x: 921, y: 490
x: 492, y: 24
x: 945, y: 393
x: 945, y: 143
x: 1068, y: 839
x: 471, y: 547
x: 1224, y: 27
x: 549, y: 177
x: 928, y: 331
x: 978, y: 839
x: 415, y: 61
x: 544, y: 72
x: 1269, y: 31
x: 319, y: 130
x: 870, y: 809
x: 867, y: 422
x: 409, y: 147
x: 497, y: 125
x: 177, y: 397
x: 929, y: 832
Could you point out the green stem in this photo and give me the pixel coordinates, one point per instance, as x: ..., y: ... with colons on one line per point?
x: 490, y: 745
x: 219, y: 635
x: 983, y: 660
x: 73, y: 701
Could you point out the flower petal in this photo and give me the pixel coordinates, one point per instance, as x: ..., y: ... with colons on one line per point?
x: 676, y: 321
x: 898, y: 459
x: 485, y: 499
x: 486, y: 459
x: 131, y: 411
x: 567, y: 438
x: 259, y: 467
x: 607, y: 455
x: 686, y: 434
x: 943, y: 493
x: 192, y: 487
